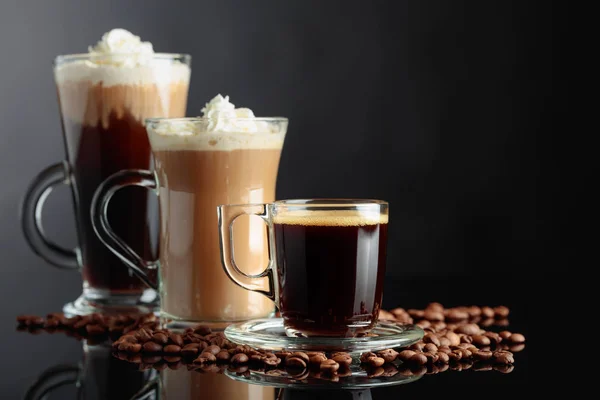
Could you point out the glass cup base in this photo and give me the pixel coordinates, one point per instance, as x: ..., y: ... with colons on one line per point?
x: 167, y: 321
x: 97, y: 301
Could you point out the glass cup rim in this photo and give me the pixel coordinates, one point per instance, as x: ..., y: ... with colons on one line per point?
x: 153, y: 121
x: 329, y: 202
x: 66, y: 58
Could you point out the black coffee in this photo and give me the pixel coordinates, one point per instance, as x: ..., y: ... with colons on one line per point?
x: 96, y: 152
x: 331, y: 270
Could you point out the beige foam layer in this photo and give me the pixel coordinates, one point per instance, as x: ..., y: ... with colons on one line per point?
x: 92, y: 103
x: 330, y: 218
x: 216, y: 141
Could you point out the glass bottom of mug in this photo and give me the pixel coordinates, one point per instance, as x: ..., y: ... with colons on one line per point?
x: 173, y: 323
x: 102, y: 301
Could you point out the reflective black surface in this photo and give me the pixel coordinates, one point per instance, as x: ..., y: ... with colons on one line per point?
x: 61, y: 367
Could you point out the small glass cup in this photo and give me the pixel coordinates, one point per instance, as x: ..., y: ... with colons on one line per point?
x: 326, y: 265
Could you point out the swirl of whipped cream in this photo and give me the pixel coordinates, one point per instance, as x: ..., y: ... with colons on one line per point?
x: 127, y: 48
x: 224, y: 117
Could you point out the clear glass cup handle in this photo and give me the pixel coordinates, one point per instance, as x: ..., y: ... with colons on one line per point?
x: 31, y: 218
x: 99, y: 215
x: 227, y: 215
x: 53, y: 378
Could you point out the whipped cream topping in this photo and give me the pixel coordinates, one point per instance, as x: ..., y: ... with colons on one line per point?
x: 221, y: 127
x: 122, y: 58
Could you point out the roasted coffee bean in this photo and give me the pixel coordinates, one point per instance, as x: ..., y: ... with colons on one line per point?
x: 205, y: 357
x: 317, y: 359
x: 431, y: 338
x: 434, y: 306
x: 453, y: 338
x: 503, y: 357
x: 431, y: 357
x: 329, y: 366
x: 493, y: 336
x: 455, y: 315
x: 301, y: 355
x: 444, y: 341
x: 95, y: 330
x: 419, y: 359
x: 481, y: 340
x: 143, y: 335
x: 282, y: 354
x: 171, y: 358
x: 443, y: 358
x: 468, y: 329
x: 364, y: 357
x: 482, y: 355
x: 444, y: 349
x: 505, y: 335
x: 176, y: 339
x: 431, y: 315
x: 272, y: 361
x: 516, y: 338
x: 151, y: 359
x: 419, y: 346
x: 430, y: 348
x: 487, y: 312
x: 405, y: 355
x: 191, y: 349
x: 82, y: 322
x: 172, y: 349
x: 51, y: 323
x: 152, y: 347
x: 295, y: 362
x: 515, y: 348
x: 487, y: 322
x: 223, y: 356
x: 386, y: 315
x: 474, y: 311
x: 160, y: 338
x: 501, y: 322
x: 257, y: 357
x: 389, y: 355
x: 376, y: 361
x: 432, y: 369
x: 343, y: 359
x: 417, y: 314
x: 202, y: 330
x: 466, y: 339
x: 239, y: 358
x: 504, y: 368
x: 214, y: 350
x: 501, y: 312
x: 455, y: 355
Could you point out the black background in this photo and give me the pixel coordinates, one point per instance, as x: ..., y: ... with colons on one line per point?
x: 440, y: 107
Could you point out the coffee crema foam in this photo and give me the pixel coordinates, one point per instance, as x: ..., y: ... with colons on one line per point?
x: 330, y: 218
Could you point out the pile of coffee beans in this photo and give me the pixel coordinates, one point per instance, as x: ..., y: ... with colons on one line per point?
x: 454, y: 339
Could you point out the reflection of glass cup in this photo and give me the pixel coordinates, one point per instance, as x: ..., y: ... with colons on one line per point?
x: 104, y: 101
x: 195, y: 171
x: 99, y: 376
x: 326, y: 262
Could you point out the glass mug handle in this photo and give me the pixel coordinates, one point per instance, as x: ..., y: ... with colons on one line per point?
x: 31, y: 217
x: 99, y: 215
x: 227, y: 215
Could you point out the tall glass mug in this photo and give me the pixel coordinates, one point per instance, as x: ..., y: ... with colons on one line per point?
x: 104, y: 100
x: 326, y: 262
x: 196, y: 169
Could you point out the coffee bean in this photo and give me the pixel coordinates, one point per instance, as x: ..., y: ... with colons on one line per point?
x: 223, y: 356
x: 466, y: 339
x: 444, y: 349
x: 453, y: 338
x: 430, y: 348
x: 51, y: 323
x: 343, y: 359
x: 329, y: 366
x: 505, y: 335
x: 434, y: 306
x: 468, y: 329
x: 405, y: 355
x: 456, y: 315
x: 214, y: 350
x: 143, y: 335
x: 419, y: 346
x: 482, y: 355
x: 205, y: 358
x: 504, y: 368
x: 515, y: 348
x: 431, y: 315
x: 376, y: 361
x: 501, y: 312
x: 295, y: 362
x: 423, y: 324
x: 172, y: 349
x: 431, y: 357
x: 282, y: 354
x: 151, y: 359
x: 481, y: 340
x: 487, y: 322
x: 386, y: 315
x: 190, y: 350
x: 299, y: 354
x: 501, y: 322
x: 443, y: 358
x: 82, y: 322
x: 503, y: 357
x: 474, y: 311
x: 364, y: 357
x: 417, y: 314
x: 160, y: 338
x: 152, y: 347
x: 419, y: 359
x: 455, y: 355
x: 493, y: 336
x: 389, y: 355
x: 516, y: 338
x: 317, y: 359
x: 176, y: 339
x: 444, y: 341
x: 239, y: 358
x: 202, y: 330
x: 431, y: 338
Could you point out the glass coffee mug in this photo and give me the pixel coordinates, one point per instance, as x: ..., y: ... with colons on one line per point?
x: 104, y: 101
x: 326, y: 263
x: 197, y: 169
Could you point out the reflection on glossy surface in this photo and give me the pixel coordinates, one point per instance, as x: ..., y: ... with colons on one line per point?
x: 99, y: 376
x: 183, y: 385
